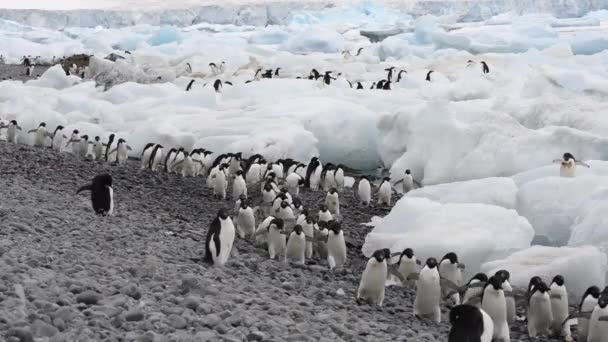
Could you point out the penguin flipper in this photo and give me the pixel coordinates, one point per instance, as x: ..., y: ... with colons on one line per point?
x: 509, y: 294
x: 129, y: 148
x: 583, y: 164
x: 31, y: 131
x: 19, y: 128
x: 417, y: 183
x: 395, y: 254
x: 85, y: 187
x: 413, y: 276
x: 217, y: 242
x: 462, y: 266
x: 418, y: 262
x: 449, y: 284
x: 556, y: 161
x: 395, y: 272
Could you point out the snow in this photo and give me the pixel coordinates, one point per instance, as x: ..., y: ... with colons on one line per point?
x: 476, y: 232
x: 581, y: 267
x: 590, y: 225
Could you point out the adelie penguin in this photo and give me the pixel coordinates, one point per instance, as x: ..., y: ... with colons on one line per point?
x: 451, y: 270
x: 428, y: 291
x: 245, y: 220
x: 493, y: 302
x: 399, y: 77
x: 110, y: 157
x: 121, y: 151
x: 428, y: 76
x: 406, y: 265
x: 470, y: 324
x: 332, y: 201
x: 102, y: 194
x: 364, y: 191
x: 336, y: 246
x: 11, y: 131
x: 385, y: 192
x: 215, y: 70
x: 474, y: 290
x: 389, y: 76
x: 484, y: 67
x: 146, y: 154
x: 509, y: 297
x: 98, y: 148
x: 41, y: 135
x: 372, y: 285
x: 598, y: 323
x: 359, y: 86
x: 540, y: 314
x: 296, y: 246
x: 58, y: 138
x: 568, y: 165
x: 189, y: 86
x: 559, y: 306
x: 220, y: 238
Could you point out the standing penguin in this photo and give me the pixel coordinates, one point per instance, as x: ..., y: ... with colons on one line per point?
x: 540, y: 316
x: 428, y: 76
x: 339, y: 177
x: 327, y: 176
x: 187, y: 166
x: 364, y: 191
x: 296, y: 246
x: 336, y: 246
x: 239, y: 186
x: 220, y: 238
x: 324, y: 214
x: 371, y: 286
x: 585, y: 308
x: 219, y: 182
x: 508, y: 290
x: 470, y: 323
x: 568, y: 165
x: 102, y: 194
x: 493, y: 302
x: 332, y: 201
x: 110, y: 157
x: 598, y: 323
x: 450, y: 269
x: 41, y: 135
x: 294, y: 181
x: 146, y: 154
x: 308, y: 227
x: 474, y: 290
x: 121, y: 151
x: 156, y: 158
x: 58, y: 138
x: 98, y: 148
x: 217, y: 85
x: 408, y: 264
x: 559, y: 305
x: 276, y: 239
x: 407, y: 182
x: 313, y: 174
x: 428, y: 291
x: 75, y: 141
x: 245, y: 220
x: 11, y: 131
x: 385, y: 192
x: 484, y: 67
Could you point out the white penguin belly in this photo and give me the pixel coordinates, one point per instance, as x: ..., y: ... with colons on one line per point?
x: 296, y: 248
x: 494, y: 304
x: 559, y: 308
x: 540, y: 316
x: 364, y: 192
x: 245, y: 223
x: 276, y: 243
x: 372, y: 285
x: 336, y: 250
x: 428, y: 293
x: 598, y: 330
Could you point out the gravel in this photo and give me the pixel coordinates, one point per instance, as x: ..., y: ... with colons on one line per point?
x: 125, y: 278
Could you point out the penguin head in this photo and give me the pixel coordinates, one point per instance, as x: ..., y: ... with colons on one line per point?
x: 407, y: 172
x: 541, y: 287
x: 466, y: 320
x: 495, y: 283
x: 102, y: 180
x: 364, y: 177
x: 267, y: 187
x: 277, y: 223
x: 42, y: 124
x: 13, y: 122
x: 592, y: 291
x: 59, y: 128
x: 244, y: 204
x: 386, y: 179
x: 85, y: 137
x: 242, y: 198
x: 559, y: 280
x: 534, y: 281
x: 75, y: 132
x: 284, y: 190
x: 408, y: 252
x: 335, y: 227
x: 111, y: 135
x: 323, y: 207
x: 333, y: 191
x: 222, y: 214
x: 603, y: 299
x: 239, y: 173
x: 297, y: 203
x: 379, y: 255
x: 452, y: 257
x: 431, y: 263
x: 297, y: 229
x: 482, y: 277
x: 567, y: 156
x: 503, y: 274
x: 122, y: 141
x: 284, y: 204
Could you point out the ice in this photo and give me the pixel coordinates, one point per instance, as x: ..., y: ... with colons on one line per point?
x: 581, y: 266
x: 552, y: 204
x: 314, y: 40
x: 590, y: 225
x: 495, y: 191
x: 476, y: 232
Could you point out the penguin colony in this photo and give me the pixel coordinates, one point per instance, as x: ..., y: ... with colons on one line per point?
x: 482, y: 308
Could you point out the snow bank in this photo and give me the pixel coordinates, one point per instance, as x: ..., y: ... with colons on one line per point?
x: 590, y: 225
x: 476, y: 232
x: 581, y: 266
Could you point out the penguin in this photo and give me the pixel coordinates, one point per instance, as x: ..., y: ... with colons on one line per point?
x: 198, y: 159
x: 407, y: 182
x: 327, y: 176
x: 41, y: 135
x: 267, y: 74
x: 58, y: 138
x: 156, y: 157
x: 428, y: 76
x: 373, y: 86
x: 146, y: 154
x: 254, y: 173
x: 320, y: 247
x: 540, y: 315
x: 29, y: 70
x: 399, y: 77
x: 470, y: 63
x: 215, y: 70
x: 324, y: 214
x: 474, y: 290
x: 261, y: 232
x: 11, y: 131
x: 178, y: 157
x: 75, y: 141
x: 332, y: 201
x: 407, y: 265
x: 217, y: 85
x: 428, y: 291
x: 239, y: 186
x: 559, y: 305
x: 220, y: 238
x: 484, y: 67
x: 327, y: 78
x: 102, y: 194
x: 533, y: 282
x: 359, y: 86
x: 276, y: 239
x: 285, y: 213
x: 390, y: 70
x: 371, y: 287
x: 339, y: 177
x: 494, y: 304
x: 386, y: 85
x: 294, y: 181
x: 568, y: 165
x: 380, y: 84
x: 450, y: 269
x: 235, y: 163
x: 364, y: 191
x: 84, y: 147
x: 314, y: 75
x: 109, y: 157
x: 187, y: 166
x: 276, y: 72
x: 268, y: 196
x: 313, y: 174
x: 308, y: 227
x: 296, y: 246
x: 585, y: 308
x: 245, y: 220
x: 121, y: 151
x: 508, y: 291
x: 598, y: 323
x: 219, y: 182
x: 98, y: 148
x: 189, y: 86
x: 470, y: 323
x: 336, y: 246
x: 169, y: 159
x: 385, y: 192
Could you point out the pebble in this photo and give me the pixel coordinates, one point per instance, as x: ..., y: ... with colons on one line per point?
x: 134, y: 315
x: 21, y: 334
x: 88, y: 298
x: 178, y: 322
x: 212, y: 320
x: 44, y: 329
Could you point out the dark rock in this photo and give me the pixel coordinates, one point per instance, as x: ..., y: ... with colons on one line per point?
x: 22, y: 334
x: 134, y: 315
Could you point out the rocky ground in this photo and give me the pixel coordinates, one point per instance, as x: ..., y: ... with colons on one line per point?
x: 68, y: 275
x: 17, y: 72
